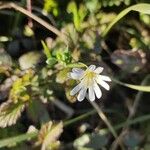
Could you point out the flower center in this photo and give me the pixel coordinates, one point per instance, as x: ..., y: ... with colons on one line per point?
x: 88, y: 78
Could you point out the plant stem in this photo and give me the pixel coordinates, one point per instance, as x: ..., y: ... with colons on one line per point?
x: 104, y: 118
x: 106, y: 121
x: 17, y: 139
x: 66, y: 123
x: 29, y: 8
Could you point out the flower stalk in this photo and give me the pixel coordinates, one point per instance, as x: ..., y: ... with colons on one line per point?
x: 105, y: 120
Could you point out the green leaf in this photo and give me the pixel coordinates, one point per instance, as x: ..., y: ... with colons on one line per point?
x: 10, y: 112
x: 46, y: 50
x: 82, y: 12
x: 142, y: 8
x: 51, y: 61
x: 19, y: 90
x: 93, y: 5
x: 135, y: 87
x: 64, y: 56
x: 145, y: 18
x: 72, y: 8
x: 51, y: 6
x: 17, y: 139
x: 76, y: 65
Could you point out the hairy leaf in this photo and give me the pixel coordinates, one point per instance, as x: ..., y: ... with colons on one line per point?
x: 19, y: 88
x: 10, y: 112
x: 49, y: 134
x: 30, y: 60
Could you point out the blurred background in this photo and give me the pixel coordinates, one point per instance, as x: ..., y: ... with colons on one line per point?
x: 41, y: 41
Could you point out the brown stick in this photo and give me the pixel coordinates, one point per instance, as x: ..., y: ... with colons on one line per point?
x: 34, y: 17
x: 29, y: 8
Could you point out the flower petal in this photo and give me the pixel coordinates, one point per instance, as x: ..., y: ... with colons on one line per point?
x: 105, y: 78
x: 75, y: 75
x: 76, y: 89
x: 82, y: 94
x: 98, y: 70
x: 77, y: 70
x: 92, y: 67
x: 97, y: 91
x: 103, y: 84
x: 91, y: 94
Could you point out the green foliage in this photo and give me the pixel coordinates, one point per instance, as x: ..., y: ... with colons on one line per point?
x: 64, y: 57
x: 60, y: 56
x: 19, y: 91
x: 136, y: 87
x: 110, y: 3
x: 51, y: 61
x: 17, y: 139
x: 51, y: 6
x: 145, y: 18
x: 92, y: 5
x: 43, y: 89
x: 11, y: 110
x: 78, y: 14
x: 46, y: 50
x: 142, y: 8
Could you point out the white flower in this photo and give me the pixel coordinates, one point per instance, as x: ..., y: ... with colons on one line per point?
x: 90, y: 79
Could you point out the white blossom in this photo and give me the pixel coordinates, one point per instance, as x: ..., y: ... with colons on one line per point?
x: 89, y: 81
